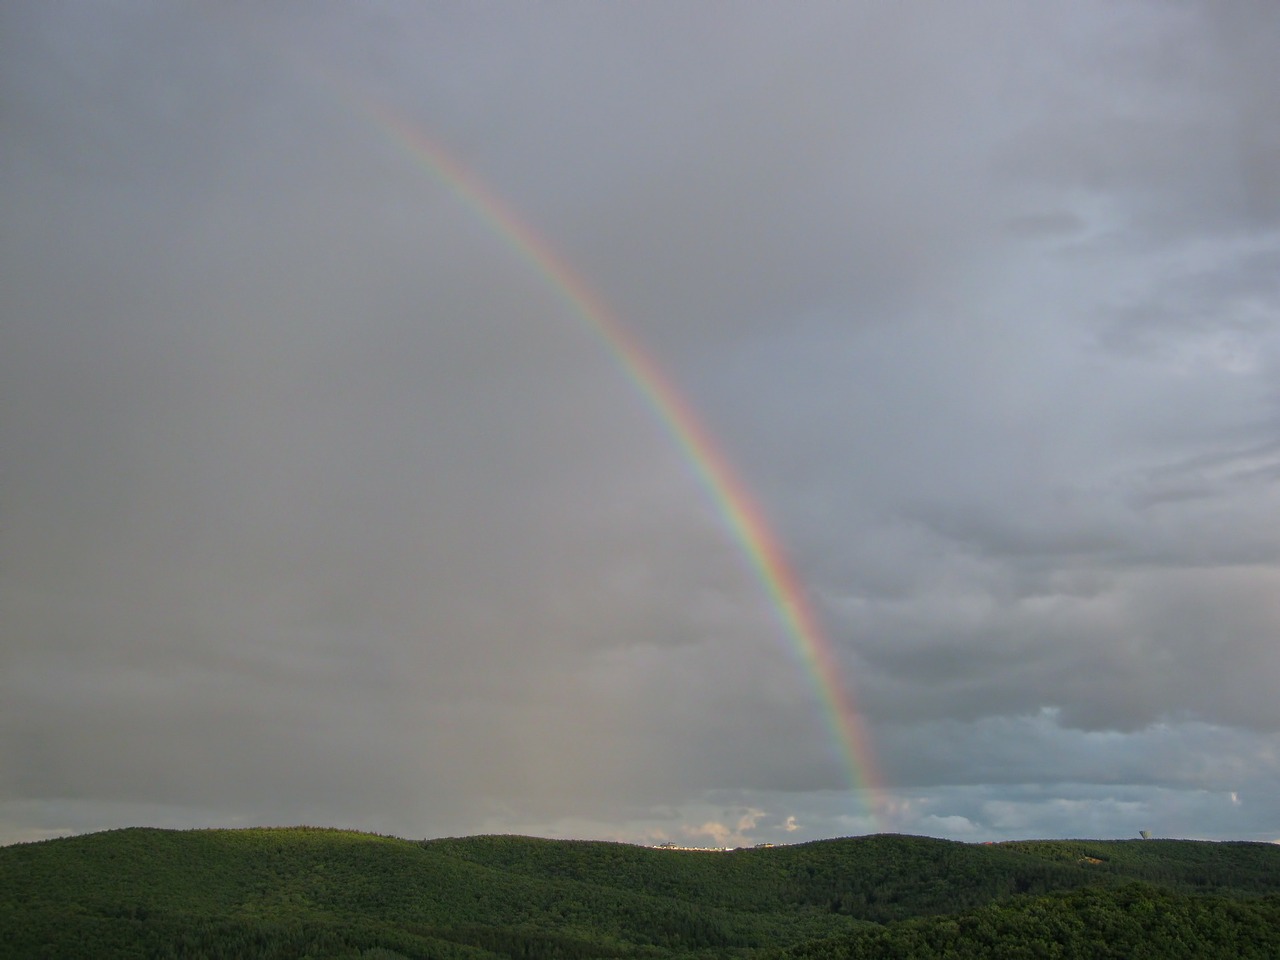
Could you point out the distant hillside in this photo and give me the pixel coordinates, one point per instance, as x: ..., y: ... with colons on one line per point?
x: 279, y: 893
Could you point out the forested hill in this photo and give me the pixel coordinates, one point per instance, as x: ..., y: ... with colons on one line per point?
x: 297, y: 892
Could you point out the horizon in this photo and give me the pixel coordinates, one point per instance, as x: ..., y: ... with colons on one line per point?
x: 631, y: 843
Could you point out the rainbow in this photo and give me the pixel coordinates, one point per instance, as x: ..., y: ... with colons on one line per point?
x: 735, y: 504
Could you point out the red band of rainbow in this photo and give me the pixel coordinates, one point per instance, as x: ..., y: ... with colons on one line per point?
x: 738, y: 509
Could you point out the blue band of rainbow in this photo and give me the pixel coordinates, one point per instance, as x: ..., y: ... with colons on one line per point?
x: 738, y: 509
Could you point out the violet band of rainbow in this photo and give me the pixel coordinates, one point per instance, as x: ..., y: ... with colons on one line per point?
x: 738, y: 509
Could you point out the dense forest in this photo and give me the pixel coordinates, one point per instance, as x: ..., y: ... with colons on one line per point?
x: 304, y: 892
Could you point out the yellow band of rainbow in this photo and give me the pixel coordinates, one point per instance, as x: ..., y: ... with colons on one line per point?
x: 741, y: 514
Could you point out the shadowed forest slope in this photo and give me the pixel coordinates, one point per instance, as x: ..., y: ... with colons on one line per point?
x: 328, y: 893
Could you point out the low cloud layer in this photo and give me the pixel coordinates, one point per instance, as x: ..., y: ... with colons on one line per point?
x: 320, y: 503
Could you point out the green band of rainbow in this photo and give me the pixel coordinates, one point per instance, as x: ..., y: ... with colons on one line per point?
x: 737, y: 507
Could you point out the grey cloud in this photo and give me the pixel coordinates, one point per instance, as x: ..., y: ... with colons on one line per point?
x: 1178, y: 118
x: 320, y: 502
x: 1154, y: 646
x: 1055, y: 223
x: 1190, y: 756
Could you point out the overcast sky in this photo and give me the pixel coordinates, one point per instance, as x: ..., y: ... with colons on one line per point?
x: 320, y: 504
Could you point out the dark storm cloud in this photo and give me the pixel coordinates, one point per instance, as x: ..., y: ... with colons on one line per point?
x: 319, y: 503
